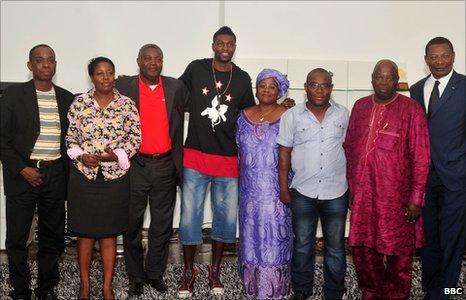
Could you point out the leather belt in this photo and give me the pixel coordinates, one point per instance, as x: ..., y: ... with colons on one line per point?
x: 156, y: 155
x: 41, y: 164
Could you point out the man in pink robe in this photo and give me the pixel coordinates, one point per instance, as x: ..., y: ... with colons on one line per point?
x: 388, y: 157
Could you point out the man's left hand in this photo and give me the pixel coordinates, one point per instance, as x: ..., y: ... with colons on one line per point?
x: 413, y: 212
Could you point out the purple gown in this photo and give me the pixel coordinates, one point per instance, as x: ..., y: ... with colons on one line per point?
x: 265, y: 230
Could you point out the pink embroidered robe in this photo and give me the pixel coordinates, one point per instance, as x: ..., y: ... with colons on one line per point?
x: 388, y: 158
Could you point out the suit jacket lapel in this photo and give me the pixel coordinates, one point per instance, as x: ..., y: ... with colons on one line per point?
x: 169, y: 96
x: 446, y: 95
x: 32, y: 106
x: 62, y: 109
x: 134, y: 85
x: 421, y: 94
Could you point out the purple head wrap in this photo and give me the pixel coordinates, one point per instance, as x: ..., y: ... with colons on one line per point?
x: 281, y: 80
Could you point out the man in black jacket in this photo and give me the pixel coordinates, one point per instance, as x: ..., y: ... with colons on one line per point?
x: 33, y: 154
x: 155, y: 169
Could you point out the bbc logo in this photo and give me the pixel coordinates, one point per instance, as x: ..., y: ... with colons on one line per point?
x: 453, y: 291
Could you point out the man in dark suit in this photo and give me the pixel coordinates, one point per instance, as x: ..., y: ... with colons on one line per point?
x: 443, y: 96
x: 33, y: 154
x: 155, y: 170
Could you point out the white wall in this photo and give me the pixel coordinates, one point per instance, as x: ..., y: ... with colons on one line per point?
x: 81, y: 30
x: 316, y: 30
x: 347, y: 30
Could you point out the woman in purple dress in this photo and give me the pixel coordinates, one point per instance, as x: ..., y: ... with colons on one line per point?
x: 264, y: 222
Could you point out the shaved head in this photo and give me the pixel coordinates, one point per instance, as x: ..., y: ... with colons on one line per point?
x: 388, y: 62
x: 385, y: 80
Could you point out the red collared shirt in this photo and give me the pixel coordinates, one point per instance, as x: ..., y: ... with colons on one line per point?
x: 154, y: 119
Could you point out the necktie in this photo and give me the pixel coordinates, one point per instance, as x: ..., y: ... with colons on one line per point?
x: 434, y: 96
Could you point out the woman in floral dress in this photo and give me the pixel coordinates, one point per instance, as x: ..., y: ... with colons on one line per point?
x: 102, y: 136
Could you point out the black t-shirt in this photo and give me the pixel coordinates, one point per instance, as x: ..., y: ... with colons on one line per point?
x: 212, y: 122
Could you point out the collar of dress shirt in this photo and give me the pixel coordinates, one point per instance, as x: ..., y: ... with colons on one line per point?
x: 443, y: 80
x: 304, y: 108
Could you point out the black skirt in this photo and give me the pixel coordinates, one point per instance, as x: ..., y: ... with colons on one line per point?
x: 97, y: 208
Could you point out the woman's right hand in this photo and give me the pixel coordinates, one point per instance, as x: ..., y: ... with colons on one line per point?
x: 90, y: 160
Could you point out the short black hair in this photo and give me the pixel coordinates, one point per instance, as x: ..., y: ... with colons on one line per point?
x: 224, y: 30
x: 439, y: 40
x: 147, y: 46
x: 95, y: 61
x: 321, y: 71
x: 31, y: 52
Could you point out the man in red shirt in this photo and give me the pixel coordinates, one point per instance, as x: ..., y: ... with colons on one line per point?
x: 388, y: 157
x: 155, y: 170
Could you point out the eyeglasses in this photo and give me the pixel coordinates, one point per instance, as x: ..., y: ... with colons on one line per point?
x: 315, y: 85
x: 444, y: 56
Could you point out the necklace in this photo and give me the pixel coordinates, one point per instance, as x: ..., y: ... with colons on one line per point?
x: 262, y: 116
x: 215, y: 81
x: 103, y: 101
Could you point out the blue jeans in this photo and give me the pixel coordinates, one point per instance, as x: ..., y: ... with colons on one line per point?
x: 305, y: 213
x: 224, y: 200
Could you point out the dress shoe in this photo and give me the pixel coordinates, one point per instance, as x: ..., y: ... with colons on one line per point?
x: 25, y: 295
x: 48, y: 296
x: 158, y: 284
x: 301, y: 295
x: 135, y: 288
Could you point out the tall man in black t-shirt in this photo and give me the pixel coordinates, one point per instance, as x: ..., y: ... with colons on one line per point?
x: 219, y: 90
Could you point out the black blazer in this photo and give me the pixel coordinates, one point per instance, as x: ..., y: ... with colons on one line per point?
x: 447, y: 130
x: 20, y: 128
x: 175, y: 99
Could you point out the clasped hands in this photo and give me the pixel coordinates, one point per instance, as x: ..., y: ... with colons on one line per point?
x: 94, y: 160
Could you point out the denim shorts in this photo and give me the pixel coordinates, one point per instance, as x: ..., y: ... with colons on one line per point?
x: 224, y: 202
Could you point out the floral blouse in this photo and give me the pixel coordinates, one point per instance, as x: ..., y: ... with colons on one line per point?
x: 93, y: 128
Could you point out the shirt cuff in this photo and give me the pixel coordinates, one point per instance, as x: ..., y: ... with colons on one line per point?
x: 75, y: 152
x: 283, y: 142
x: 417, y: 198
x: 123, y: 160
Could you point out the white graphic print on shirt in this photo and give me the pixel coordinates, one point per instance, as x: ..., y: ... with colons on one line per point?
x: 216, y: 113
